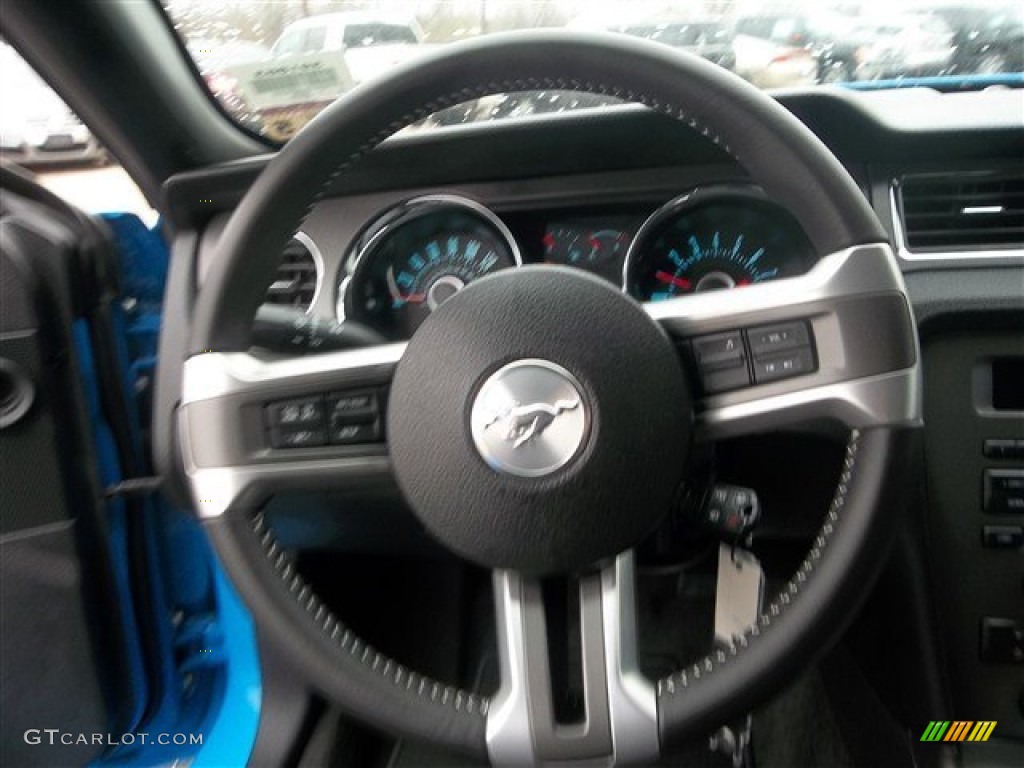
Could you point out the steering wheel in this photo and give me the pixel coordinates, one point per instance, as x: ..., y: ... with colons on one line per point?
x: 570, y: 474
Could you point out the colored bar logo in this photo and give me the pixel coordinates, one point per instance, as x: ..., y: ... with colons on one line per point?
x: 958, y: 730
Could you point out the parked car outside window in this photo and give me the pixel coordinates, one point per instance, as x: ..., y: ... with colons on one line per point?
x: 36, y: 127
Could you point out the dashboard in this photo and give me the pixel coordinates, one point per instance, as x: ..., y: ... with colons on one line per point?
x: 412, y: 257
x: 659, y: 211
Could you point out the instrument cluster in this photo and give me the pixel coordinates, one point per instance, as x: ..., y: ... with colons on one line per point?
x: 413, y: 257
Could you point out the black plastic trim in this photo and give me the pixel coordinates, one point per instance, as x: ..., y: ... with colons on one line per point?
x: 179, y: 298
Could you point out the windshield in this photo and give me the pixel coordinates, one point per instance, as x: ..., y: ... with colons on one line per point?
x: 274, y: 65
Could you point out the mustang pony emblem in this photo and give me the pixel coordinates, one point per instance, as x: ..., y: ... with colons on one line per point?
x: 523, y: 422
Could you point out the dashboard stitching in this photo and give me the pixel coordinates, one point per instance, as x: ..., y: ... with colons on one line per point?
x: 347, y: 641
x: 508, y: 86
x: 677, y: 682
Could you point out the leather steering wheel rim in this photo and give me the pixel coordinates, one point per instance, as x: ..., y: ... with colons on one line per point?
x: 779, y: 153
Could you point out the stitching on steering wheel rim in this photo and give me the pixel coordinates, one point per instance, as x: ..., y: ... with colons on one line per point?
x: 477, y: 704
x: 347, y: 640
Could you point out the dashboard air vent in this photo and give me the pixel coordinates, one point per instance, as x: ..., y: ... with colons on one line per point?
x: 298, y: 277
x: 963, y: 211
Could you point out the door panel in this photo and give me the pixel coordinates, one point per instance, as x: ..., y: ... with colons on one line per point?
x: 64, y: 649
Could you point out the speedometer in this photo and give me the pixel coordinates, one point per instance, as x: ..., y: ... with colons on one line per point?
x: 712, y: 239
x: 417, y: 256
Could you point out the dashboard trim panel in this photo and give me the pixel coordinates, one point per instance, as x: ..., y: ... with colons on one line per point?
x: 318, y: 261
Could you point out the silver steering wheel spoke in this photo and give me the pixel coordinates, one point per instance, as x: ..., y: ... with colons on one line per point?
x: 836, y: 367
x: 620, y: 721
x: 235, y: 451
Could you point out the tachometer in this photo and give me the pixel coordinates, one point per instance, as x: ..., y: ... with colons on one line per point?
x: 711, y: 239
x: 419, y: 255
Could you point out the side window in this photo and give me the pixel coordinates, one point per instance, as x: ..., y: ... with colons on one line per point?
x: 314, y: 42
x: 365, y: 35
x: 395, y: 33
x: 359, y: 35
x: 39, y: 132
x: 290, y: 43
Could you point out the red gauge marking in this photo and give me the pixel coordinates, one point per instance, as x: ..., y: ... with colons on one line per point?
x: 680, y: 282
x: 413, y: 298
x: 744, y: 281
x: 549, y: 241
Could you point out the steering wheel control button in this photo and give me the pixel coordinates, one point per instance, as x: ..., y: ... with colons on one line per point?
x: 300, y: 437
x: 354, y: 434
x: 795, y: 363
x: 339, y: 418
x: 736, y: 359
x: 353, y: 405
x: 725, y: 379
x: 768, y: 340
x: 781, y: 351
x: 539, y: 420
x: 723, y: 350
x: 1004, y: 491
x: 292, y: 414
x: 721, y: 361
x: 529, y: 419
x: 354, y: 417
x: 297, y: 423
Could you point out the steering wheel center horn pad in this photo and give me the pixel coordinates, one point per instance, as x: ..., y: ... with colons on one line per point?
x: 530, y: 418
x: 539, y: 420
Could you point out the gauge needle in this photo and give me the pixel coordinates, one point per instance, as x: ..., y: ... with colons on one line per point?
x: 680, y: 282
